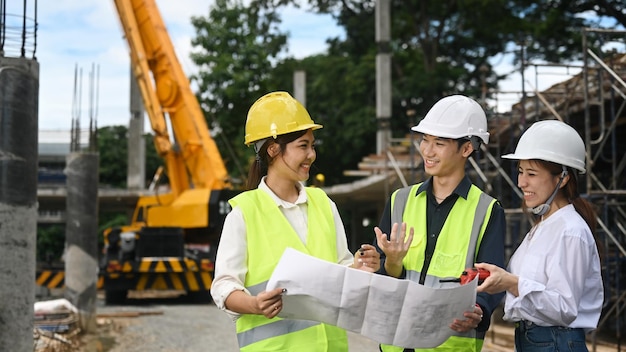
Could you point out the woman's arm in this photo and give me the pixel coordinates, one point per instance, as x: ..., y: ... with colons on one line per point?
x: 267, y: 303
x: 230, y: 262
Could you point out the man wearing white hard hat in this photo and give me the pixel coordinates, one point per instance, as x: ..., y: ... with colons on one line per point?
x: 451, y: 223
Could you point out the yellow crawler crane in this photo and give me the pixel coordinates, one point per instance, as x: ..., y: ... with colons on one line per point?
x: 172, y: 239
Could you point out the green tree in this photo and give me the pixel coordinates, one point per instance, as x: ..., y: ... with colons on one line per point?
x: 553, y: 30
x: 438, y: 48
x: 345, y: 107
x: 236, y: 48
x: 50, y: 243
x: 113, y: 154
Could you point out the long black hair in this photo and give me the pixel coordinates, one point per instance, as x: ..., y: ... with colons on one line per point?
x: 258, y: 169
x: 570, y: 191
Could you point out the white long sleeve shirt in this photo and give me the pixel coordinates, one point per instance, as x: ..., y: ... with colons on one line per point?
x: 560, y: 282
x: 230, y: 265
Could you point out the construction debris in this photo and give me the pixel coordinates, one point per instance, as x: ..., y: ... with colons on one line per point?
x: 55, y: 326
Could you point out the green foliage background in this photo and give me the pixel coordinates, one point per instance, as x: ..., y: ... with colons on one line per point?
x: 438, y: 47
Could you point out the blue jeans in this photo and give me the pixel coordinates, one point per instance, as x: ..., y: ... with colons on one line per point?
x: 531, y: 337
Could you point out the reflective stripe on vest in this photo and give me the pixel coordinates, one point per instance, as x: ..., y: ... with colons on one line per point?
x: 482, y: 204
x: 275, y: 328
x: 453, y: 344
x: 268, y: 234
x: 256, y: 289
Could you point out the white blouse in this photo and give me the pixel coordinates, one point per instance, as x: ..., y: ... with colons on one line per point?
x: 560, y: 282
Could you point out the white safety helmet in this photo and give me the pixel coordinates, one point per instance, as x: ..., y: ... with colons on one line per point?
x: 551, y: 140
x: 455, y: 117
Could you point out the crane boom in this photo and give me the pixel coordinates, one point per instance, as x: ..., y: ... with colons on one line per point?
x: 196, y: 161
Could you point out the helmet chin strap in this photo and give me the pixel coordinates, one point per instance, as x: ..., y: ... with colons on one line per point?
x: 543, y: 208
x: 258, y: 145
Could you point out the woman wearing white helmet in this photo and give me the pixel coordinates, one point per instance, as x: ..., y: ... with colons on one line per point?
x: 553, y: 287
x: 275, y: 213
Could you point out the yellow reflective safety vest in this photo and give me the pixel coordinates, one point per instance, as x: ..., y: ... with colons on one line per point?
x: 268, y: 234
x: 456, y: 248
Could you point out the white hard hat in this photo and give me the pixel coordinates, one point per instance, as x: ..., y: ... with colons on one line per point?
x: 455, y: 116
x: 551, y: 140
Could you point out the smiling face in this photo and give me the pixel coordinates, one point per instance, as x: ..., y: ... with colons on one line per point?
x: 443, y: 156
x: 537, y: 183
x: 295, y: 161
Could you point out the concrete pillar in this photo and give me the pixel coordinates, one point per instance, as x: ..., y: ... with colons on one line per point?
x: 299, y: 93
x: 383, y: 74
x: 299, y: 86
x: 19, y: 91
x: 136, y: 174
x: 81, y: 236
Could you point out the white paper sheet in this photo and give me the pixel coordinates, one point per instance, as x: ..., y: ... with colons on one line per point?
x: 384, y: 309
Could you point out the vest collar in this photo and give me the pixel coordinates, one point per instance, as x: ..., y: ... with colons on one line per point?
x: 462, y: 189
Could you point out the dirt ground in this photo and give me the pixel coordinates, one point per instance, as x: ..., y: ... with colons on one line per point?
x: 172, y: 325
x: 499, y: 339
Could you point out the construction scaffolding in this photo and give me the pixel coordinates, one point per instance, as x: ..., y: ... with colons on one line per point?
x: 593, y: 102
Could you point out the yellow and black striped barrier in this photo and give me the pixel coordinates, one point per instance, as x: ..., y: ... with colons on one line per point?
x: 56, y: 279
x: 157, y: 274
x: 163, y: 274
x: 160, y: 265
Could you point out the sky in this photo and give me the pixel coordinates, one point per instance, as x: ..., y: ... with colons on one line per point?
x: 84, y: 33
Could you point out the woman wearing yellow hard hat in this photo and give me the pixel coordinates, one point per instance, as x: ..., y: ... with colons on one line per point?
x: 278, y: 212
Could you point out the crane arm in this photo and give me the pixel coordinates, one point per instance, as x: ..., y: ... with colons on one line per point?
x: 195, y: 162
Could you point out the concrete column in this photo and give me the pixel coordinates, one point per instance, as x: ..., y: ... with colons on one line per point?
x: 299, y: 86
x: 81, y: 236
x: 136, y: 175
x: 299, y: 91
x: 383, y: 74
x: 19, y: 91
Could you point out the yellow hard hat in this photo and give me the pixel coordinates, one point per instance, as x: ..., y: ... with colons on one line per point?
x: 274, y: 114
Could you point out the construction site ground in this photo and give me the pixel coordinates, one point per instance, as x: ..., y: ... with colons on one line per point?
x: 156, y: 322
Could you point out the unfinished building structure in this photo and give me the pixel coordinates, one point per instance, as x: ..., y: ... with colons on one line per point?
x: 594, y: 103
